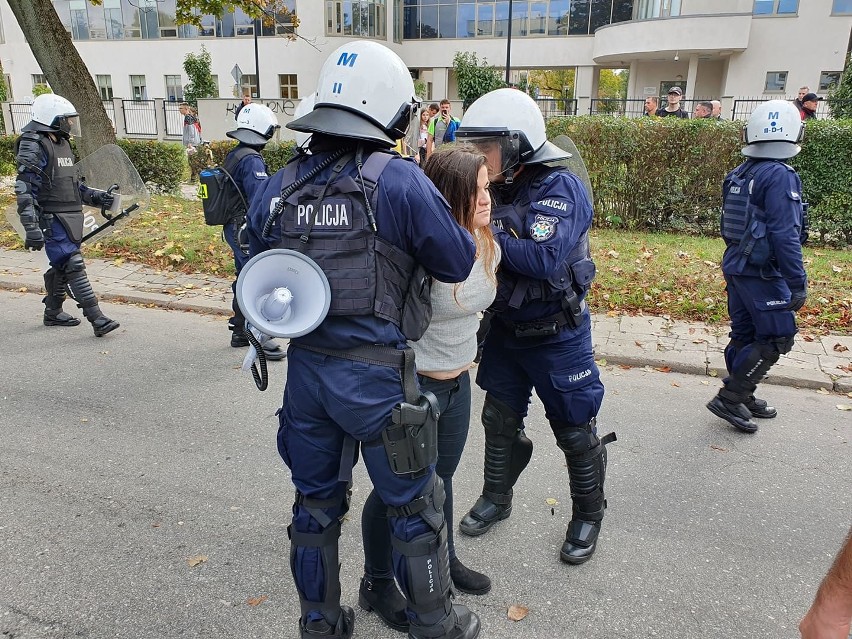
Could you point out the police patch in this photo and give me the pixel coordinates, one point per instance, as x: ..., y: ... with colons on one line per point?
x: 543, y: 228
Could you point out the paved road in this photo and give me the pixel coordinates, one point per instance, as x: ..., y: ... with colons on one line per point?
x: 124, y: 457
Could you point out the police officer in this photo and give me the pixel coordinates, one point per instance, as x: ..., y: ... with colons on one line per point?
x: 50, y: 205
x: 763, y: 227
x: 540, y: 335
x: 366, y: 217
x: 256, y: 124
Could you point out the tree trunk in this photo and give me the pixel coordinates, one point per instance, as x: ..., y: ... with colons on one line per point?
x: 65, y: 70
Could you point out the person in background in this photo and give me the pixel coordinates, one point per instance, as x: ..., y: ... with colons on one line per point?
x: 651, y: 105
x: 444, y: 356
x: 717, y: 109
x: 246, y: 100
x: 703, y: 110
x: 191, y: 127
x: 809, y: 106
x: 803, y: 91
x: 442, y: 128
x: 673, y: 108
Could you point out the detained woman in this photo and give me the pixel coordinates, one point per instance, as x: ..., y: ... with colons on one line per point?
x: 444, y: 356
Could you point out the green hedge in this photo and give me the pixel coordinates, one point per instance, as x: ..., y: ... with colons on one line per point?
x: 275, y: 154
x: 666, y: 174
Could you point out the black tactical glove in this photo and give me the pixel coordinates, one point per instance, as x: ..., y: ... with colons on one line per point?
x: 102, y: 199
x: 797, y: 299
x: 35, y: 238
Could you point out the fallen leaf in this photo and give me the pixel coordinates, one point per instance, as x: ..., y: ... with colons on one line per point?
x: 840, y: 348
x: 198, y: 559
x: 699, y: 341
x: 714, y: 374
x: 823, y: 391
x: 190, y: 285
x: 84, y: 420
x: 516, y: 612
x: 176, y: 257
x: 118, y: 261
x: 256, y: 601
x: 808, y: 338
x: 675, y: 384
x: 836, y: 269
x: 844, y: 407
x: 638, y: 343
x: 612, y: 253
x: 691, y: 331
x: 719, y: 448
x: 23, y: 289
x: 601, y: 362
x: 550, y: 501
x: 626, y: 367
x: 663, y: 369
x: 156, y: 524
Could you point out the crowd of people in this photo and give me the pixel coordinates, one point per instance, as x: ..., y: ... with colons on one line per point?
x: 492, y: 234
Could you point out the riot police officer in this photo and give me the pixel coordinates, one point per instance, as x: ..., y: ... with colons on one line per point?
x: 256, y: 124
x: 763, y: 226
x: 367, y: 217
x: 50, y: 205
x: 540, y: 335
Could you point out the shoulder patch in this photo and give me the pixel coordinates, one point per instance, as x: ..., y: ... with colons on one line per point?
x: 543, y: 227
x: 556, y: 205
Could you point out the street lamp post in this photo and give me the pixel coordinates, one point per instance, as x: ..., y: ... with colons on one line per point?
x: 509, y: 45
x: 257, y: 24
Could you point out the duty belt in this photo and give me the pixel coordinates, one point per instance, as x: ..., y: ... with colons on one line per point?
x: 550, y: 325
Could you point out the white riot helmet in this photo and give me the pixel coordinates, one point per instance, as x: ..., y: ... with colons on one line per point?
x: 364, y: 91
x: 773, y: 131
x: 56, y: 113
x: 512, y: 119
x: 306, y: 105
x: 256, y: 124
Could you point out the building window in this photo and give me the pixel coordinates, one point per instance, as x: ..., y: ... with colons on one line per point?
x: 248, y: 84
x: 776, y: 82
x: 216, y: 85
x: 112, y: 20
x: 649, y: 9
x: 775, y: 7
x: 79, y: 20
x: 174, y: 88
x: 138, y: 87
x: 39, y: 78
x: 104, y: 83
x: 828, y: 79
x: 288, y: 87
x: 363, y: 18
x: 841, y: 7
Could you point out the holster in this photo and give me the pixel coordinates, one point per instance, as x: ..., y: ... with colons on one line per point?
x: 411, y: 442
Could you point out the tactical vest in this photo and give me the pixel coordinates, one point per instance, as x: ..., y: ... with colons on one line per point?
x: 329, y: 223
x: 743, y: 222
x: 577, y: 272
x: 60, y: 189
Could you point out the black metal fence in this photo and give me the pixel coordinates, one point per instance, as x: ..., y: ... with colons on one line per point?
x: 140, y: 117
x: 634, y: 107
x: 22, y: 113
x: 744, y: 106
x: 173, y: 118
x: 557, y: 107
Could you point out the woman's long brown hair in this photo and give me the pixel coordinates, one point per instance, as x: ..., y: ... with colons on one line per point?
x: 454, y: 170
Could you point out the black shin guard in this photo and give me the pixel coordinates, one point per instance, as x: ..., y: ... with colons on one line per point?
x: 742, y: 382
x: 54, y: 286
x: 507, y: 453
x: 585, y: 456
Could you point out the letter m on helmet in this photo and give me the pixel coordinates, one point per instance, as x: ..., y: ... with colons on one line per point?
x: 773, y: 115
x: 347, y: 59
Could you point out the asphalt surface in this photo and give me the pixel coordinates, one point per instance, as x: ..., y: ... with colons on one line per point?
x: 127, y: 458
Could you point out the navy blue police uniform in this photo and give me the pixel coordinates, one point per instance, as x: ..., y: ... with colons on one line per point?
x: 333, y: 405
x: 540, y: 338
x: 48, y: 186
x: 249, y: 175
x: 762, y: 224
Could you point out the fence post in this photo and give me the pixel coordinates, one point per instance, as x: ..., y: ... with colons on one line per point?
x: 8, y: 123
x: 160, y: 116
x: 120, y: 118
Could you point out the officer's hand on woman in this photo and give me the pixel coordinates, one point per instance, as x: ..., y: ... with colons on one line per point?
x: 34, y: 239
x: 797, y: 299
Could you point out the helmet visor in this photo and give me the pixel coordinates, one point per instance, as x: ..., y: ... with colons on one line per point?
x: 70, y: 126
x: 500, y: 148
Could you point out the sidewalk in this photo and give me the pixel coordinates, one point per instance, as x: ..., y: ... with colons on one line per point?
x: 655, y: 342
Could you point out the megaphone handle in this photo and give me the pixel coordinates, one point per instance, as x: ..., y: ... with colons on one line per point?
x: 261, y: 379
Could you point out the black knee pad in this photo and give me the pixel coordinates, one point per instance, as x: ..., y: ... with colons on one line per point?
x: 499, y: 419
x: 74, y: 264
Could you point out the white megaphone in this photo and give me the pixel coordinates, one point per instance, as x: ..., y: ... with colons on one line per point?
x: 283, y: 293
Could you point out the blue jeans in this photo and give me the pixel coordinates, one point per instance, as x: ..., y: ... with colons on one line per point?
x: 454, y: 403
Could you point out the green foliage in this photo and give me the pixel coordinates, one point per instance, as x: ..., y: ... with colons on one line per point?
x: 420, y: 89
x: 554, y: 83
x: 825, y: 165
x: 4, y: 89
x: 840, y: 97
x: 275, y: 154
x: 201, y: 83
x: 666, y: 174
x: 190, y: 11
x: 41, y: 89
x: 474, y: 78
x: 161, y: 165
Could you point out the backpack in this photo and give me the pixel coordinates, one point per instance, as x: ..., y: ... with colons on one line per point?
x: 221, y: 197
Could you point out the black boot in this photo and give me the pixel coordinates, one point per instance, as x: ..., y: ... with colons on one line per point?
x: 54, y: 286
x: 467, y: 580
x: 461, y: 624
x: 507, y: 453
x: 585, y: 456
x: 759, y: 408
x: 81, y: 289
x: 343, y: 629
x: 735, y: 413
x: 384, y: 598
x: 101, y: 324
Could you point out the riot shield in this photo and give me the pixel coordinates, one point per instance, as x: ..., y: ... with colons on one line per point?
x: 103, y: 170
x: 574, y: 164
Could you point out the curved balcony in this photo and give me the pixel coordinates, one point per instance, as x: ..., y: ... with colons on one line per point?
x: 715, y: 35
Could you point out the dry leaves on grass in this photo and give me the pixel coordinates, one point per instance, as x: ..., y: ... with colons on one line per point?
x: 517, y: 612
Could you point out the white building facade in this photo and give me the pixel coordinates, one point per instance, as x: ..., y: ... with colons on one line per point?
x: 711, y: 48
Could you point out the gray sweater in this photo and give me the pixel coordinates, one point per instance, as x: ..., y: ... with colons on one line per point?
x: 450, y: 341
